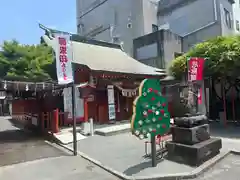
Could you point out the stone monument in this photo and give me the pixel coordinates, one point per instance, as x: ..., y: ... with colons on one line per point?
x: 191, y: 142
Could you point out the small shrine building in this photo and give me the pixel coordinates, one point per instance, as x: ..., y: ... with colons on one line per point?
x: 106, y: 77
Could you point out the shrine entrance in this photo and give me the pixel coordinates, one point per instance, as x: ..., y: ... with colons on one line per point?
x: 225, y: 97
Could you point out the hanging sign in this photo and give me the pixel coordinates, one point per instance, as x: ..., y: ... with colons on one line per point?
x: 63, y: 53
x: 67, y: 100
x: 195, y: 69
x: 111, y: 103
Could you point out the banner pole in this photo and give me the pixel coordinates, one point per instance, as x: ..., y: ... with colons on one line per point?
x: 73, y: 105
x: 74, y: 121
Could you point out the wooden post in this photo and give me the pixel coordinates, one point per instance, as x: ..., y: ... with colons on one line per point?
x: 85, y: 110
x: 42, y: 121
x: 205, y: 99
x: 55, y: 121
x: 224, y: 103
x: 233, y: 104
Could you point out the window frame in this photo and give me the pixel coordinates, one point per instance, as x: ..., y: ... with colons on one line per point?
x: 227, y: 17
x: 237, y: 25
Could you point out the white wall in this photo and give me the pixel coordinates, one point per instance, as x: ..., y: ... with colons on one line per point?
x: 172, y: 44
x: 190, y: 17
x: 141, y: 14
x: 224, y: 4
x: 150, y: 8
x: 236, y: 13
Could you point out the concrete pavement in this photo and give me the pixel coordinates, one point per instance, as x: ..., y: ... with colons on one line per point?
x: 58, y: 168
x: 24, y: 155
x: 123, y: 154
x: 228, y: 168
x: 18, y: 146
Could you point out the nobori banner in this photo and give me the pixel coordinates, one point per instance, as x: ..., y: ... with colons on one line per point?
x: 63, y: 52
x: 195, y: 68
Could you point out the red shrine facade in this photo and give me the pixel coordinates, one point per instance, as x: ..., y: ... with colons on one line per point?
x: 107, y: 79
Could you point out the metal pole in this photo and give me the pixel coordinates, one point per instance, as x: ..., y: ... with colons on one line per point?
x: 74, y: 121
x: 73, y: 106
x: 153, y: 149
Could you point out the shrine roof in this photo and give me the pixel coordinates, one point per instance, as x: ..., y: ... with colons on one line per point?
x: 103, y: 58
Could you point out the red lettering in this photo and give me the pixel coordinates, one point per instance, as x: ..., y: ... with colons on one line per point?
x: 63, y: 58
x: 63, y: 50
x: 64, y: 71
x: 62, y: 41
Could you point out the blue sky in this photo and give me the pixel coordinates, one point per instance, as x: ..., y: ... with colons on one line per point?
x: 19, y: 18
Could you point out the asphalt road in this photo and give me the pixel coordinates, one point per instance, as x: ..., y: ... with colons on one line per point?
x: 24, y: 155
x: 18, y: 146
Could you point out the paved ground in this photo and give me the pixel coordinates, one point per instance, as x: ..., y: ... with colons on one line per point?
x: 228, y: 168
x: 58, y: 168
x: 27, y: 156
x: 17, y: 146
x: 124, y: 153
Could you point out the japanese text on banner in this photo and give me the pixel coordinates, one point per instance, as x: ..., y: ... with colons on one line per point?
x: 195, y: 69
x: 63, y: 59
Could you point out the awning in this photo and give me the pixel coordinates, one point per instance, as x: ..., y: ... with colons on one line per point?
x: 101, y: 58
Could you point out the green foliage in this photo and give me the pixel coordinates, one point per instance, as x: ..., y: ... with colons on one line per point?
x: 222, y: 53
x: 26, y: 62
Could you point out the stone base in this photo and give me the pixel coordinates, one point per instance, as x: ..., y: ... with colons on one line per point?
x: 190, y: 121
x: 190, y: 136
x: 193, y: 155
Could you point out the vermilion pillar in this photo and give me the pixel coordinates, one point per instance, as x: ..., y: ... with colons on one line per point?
x: 55, y: 121
x: 85, y: 110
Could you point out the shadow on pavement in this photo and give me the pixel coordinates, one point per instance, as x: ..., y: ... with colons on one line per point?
x: 16, y: 123
x: 228, y: 131
x: 12, y: 136
x: 137, y: 168
x: 18, y: 133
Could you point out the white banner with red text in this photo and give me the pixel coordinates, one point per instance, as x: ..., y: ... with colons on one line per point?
x: 63, y: 53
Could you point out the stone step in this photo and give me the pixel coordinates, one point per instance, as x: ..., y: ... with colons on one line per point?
x: 193, y: 155
x: 113, y: 129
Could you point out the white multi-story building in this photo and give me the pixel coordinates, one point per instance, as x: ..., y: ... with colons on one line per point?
x: 118, y: 21
x: 197, y: 20
x: 236, y: 15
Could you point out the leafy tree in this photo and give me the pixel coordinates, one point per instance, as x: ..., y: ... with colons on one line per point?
x: 26, y: 62
x: 223, y: 58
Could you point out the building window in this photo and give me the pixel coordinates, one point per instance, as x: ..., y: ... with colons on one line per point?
x: 227, y: 18
x: 129, y: 25
x: 154, y: 28
x: 237, y: 25
x: 80, y: 28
